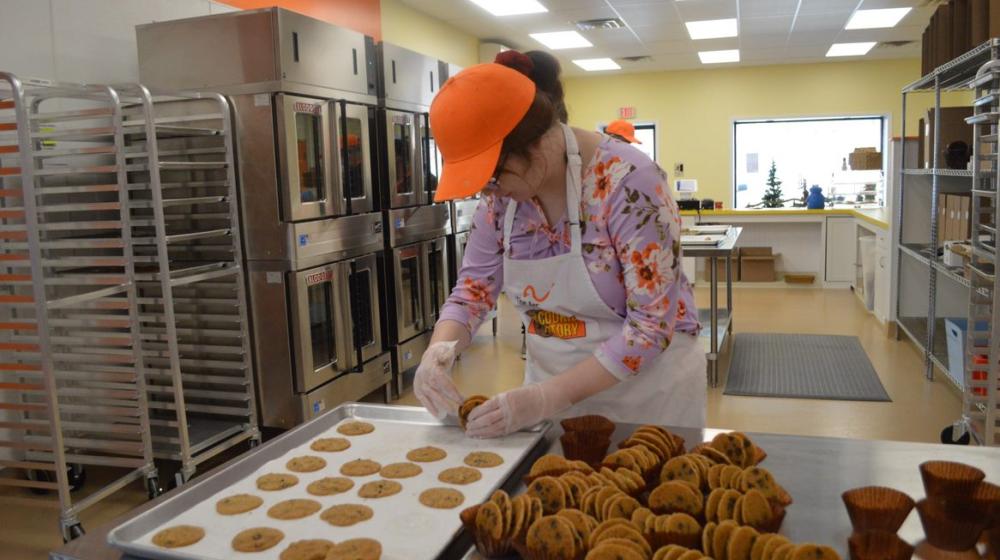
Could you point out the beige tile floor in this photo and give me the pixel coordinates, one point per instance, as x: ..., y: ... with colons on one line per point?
x: 918, y: 412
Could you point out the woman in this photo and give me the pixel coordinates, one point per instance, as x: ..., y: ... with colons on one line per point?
x: 622, y: 130
x: 581, y: 234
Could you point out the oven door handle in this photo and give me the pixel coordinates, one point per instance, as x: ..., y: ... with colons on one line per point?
x: 350, y: 269
x: 333, y: 174
x: 341, y: 317
x: 425, y: 284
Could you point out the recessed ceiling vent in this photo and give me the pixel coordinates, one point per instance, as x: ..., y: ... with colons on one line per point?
x: 894, y: 44
x: 640, y: 58
x: 604, y: 23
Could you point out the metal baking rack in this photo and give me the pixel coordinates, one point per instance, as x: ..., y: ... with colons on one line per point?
x: 192, y: 305
x: 71, y: 390
x: 981, y: 390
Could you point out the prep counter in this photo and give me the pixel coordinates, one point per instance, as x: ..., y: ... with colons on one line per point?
x: 814, y: 470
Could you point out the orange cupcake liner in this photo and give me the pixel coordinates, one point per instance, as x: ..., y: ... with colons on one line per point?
x: 948, y: 481
x: 952, y: 529
x: 877, y: 508
x: 878, y: 545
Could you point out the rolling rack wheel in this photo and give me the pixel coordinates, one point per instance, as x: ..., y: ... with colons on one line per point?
x: 948, y: 435
x: 73, y: 531
x: 153, y: 487
x: 76, y: 474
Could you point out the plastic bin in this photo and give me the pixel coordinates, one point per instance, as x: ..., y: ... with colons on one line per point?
x: 956, y: 330
x: 867, y: 246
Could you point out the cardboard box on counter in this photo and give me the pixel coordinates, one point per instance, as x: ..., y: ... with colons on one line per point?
x: 865, y: 159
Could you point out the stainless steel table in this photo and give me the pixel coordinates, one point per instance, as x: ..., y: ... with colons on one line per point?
x: 720, y: 325
x: 814, y: 470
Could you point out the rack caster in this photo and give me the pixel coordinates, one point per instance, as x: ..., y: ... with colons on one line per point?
x: 76, y: 475
x: 948, y: 436
x: 74, y: 531
x: 254, y: 442
x: 153, y: 487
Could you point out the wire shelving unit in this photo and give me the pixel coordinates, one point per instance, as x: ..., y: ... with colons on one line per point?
x: 72, y: 390
x: 189, y: 271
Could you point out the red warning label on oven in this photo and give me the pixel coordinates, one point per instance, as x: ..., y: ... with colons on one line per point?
x: 300, y: 107
x: 319, y: 277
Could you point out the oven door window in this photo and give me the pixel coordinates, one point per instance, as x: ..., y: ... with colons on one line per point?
x: 403, y: 140
x: 354, y: 150
x: 409, y: 277
x: 309, y: 150
x: 321, y: 326
x: 438, y: 277
x: 362, y: 308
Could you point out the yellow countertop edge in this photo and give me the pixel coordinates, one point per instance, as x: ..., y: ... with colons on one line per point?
x: 873, y: 217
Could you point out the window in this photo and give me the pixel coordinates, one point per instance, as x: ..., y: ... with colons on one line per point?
x: 807, y: 152
x: 645, y: 133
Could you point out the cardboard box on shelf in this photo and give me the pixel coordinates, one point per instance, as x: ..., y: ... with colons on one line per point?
x: 942, y: 39
x: 964, y: 223
x: 951, y: 220
x: 942, y: 219
x: 953, y: 129
x: 979, y: 17
x: 720, y: 265
x: 994, y: 18
x: 757, y: 264
x: 961, y: 28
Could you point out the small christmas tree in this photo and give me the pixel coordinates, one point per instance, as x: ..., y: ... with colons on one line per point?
x: 772, y: 196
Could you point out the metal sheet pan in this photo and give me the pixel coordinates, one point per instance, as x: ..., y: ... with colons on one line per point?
x: 405, y: 528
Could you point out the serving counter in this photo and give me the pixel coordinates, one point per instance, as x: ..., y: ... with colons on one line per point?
x: 815, y: 471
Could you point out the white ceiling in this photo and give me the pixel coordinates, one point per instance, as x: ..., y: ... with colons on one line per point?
x: 770, y: 31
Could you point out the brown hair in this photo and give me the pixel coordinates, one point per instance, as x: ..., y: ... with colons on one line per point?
x: 546, y: 109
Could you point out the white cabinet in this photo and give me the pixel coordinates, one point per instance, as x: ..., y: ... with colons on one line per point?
x: 841, y: 249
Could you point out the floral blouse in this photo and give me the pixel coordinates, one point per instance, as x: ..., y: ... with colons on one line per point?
x: 631, y: 246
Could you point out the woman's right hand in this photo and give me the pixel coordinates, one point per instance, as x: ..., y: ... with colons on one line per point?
x: 433, y: 385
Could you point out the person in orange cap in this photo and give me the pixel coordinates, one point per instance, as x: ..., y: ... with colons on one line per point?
x: 622, y: 130
x: 581, y: 234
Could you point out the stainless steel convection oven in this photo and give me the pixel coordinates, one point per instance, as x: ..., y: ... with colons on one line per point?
x: 418, y: 231
x: 305, y: 97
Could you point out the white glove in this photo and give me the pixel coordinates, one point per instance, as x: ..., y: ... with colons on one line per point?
x: 432, y: 383
x: 516, y: 409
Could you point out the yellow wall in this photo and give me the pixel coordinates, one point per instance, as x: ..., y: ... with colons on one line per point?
x: 415, y: 30
x: 694, y: 110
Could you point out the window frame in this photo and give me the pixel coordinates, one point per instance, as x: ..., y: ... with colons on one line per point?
x: 885, y: 127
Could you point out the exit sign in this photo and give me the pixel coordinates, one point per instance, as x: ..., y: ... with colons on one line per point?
x: 626, y: 112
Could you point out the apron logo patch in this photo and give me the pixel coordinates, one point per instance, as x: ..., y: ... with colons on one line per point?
x: 548, y: 324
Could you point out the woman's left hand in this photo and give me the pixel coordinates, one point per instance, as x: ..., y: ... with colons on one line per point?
x: 516, y: 409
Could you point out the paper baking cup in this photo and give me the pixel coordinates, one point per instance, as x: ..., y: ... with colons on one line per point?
x: 986, y: 499
x: 879, y: 545
x: 955, y: 530
x: 877, y: 508
x: 589, y: 447
x: 948, y: 481
x: 589, y: 423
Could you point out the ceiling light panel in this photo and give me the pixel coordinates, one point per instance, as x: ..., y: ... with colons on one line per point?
x: 719, y: 57
x: 597, y: 64
x: 712, y: 29
x: 877, y: 19
x: 510, y: 7
x: 850, y: 49
x: 562, y: 40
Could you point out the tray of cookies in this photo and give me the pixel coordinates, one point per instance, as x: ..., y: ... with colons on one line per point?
x: 361, y: 481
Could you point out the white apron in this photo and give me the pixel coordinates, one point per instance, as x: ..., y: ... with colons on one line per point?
x: 566, y: 321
